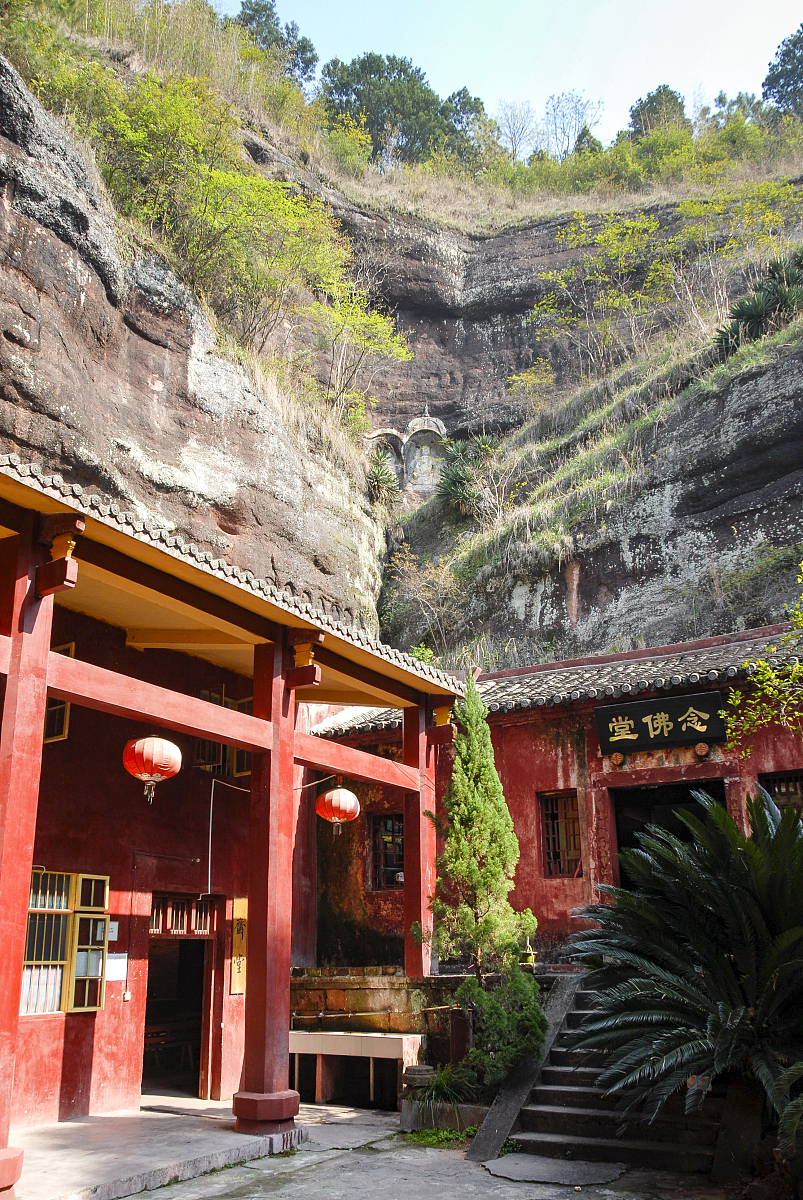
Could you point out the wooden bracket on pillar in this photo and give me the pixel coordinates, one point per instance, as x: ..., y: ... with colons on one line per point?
x: 443, y: 732
x: 441, y: 735
x: 301, y: 677
x: 57, y: 576
x: 59, y: 531
x: 303, y: 637
x: 306, y: 672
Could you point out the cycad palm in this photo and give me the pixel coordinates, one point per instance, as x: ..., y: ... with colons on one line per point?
x: 699, y: 965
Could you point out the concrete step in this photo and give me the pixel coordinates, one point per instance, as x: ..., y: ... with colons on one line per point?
x: 560, y: 1087
x: 601, y: 1123
x: 561, y: 1056
x: 570, y: 1077
x: 585, y: 999
x: 570, y: 1096
x: 661, y: 1156
x: 578, y: 1017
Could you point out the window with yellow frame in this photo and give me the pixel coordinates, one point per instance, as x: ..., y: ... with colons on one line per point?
x: 66, y: 944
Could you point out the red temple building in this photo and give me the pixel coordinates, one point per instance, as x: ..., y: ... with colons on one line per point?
x: 141, y: 933
x: 129, y: 927
x: 589, y: 752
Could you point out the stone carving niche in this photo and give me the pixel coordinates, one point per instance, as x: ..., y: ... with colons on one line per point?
x: 417, y: 455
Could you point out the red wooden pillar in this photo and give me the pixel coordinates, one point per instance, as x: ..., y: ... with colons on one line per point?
x: 20, y: 769
x: 266, y: 1104
x: 419, y: 841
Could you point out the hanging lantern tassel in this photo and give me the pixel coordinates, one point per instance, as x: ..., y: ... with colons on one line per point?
x: 337, y: 806
x: 151, y: 759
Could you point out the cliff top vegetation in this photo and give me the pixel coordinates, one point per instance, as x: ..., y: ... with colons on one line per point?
x: 376, y: 128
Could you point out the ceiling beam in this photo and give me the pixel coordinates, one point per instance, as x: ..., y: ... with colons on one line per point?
x: 165, y: 639
x: 383, y: 687
x: 166, y: 586
x: 107, y: 691
x: 322, y: 755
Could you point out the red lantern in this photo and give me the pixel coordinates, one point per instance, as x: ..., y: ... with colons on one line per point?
x: 151, y: 759
x: 337, y: 806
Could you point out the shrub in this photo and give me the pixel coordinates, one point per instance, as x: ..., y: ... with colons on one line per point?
x: 509, y: 1025
x: 349, y: 143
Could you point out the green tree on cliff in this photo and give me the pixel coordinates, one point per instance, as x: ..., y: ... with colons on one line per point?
x: 784, y: 82
x: 775, y: 695
x: 473, y: 915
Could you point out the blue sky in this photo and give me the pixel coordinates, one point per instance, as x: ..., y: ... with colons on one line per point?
x: 613, y: 50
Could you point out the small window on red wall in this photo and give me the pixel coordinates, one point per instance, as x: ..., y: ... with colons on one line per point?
x: 785, y: 787
x: 387, y: 850
x: 561, y: 825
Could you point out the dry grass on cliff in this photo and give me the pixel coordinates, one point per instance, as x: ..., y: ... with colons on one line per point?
x: 313, y: 425
x: 485, y: 208
x: 574, y: 465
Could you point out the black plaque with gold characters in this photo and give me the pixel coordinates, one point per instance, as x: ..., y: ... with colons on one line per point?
x: 666, y: 721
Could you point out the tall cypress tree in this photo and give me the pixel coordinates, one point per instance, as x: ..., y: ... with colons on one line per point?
x: 473, y: 916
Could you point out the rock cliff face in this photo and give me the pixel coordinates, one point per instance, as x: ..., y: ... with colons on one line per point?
x: 461, y: 300
x: 463, y: 304
x: 710, y: 544
x: 109, y: 375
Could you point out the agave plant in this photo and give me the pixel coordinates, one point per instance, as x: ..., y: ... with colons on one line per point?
x: 449, y: 1085
x: 786, y: 271
x: 699, y: 964
x: 383, y: 486
x: 789, y: 299
x: 458, y: 488
x: 754, y: 313
x: 728, y: 339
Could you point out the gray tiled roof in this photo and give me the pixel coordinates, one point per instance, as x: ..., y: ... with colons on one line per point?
x: 359, y: 720
x: 687, y: 665
x: 684, y: 666
x: 103, y: 509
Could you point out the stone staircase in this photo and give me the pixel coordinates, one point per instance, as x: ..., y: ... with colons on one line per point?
x: 567, y: 1116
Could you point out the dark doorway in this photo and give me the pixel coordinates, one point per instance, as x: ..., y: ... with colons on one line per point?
x: 638, y: 807
x: 174, y: 1015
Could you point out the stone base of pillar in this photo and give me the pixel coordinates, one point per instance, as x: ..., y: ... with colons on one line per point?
x: 271, y: 1112
x: 10, y: 1171
x: 277, y: 1142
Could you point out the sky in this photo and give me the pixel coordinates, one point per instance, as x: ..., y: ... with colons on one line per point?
x: 612, y: 50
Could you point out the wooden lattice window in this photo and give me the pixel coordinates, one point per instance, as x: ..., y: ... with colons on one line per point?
x: 785, y: 787
x: 179, y: 916
x: 90, y: 943
x: 89, y: 961
x: 387, y: 858
x: 561, y: 824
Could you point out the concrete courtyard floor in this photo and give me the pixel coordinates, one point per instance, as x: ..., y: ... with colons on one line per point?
x: 350, y: 1154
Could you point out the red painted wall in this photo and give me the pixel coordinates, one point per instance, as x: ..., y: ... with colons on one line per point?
x: 551, y: 749
x: 93, y: 817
